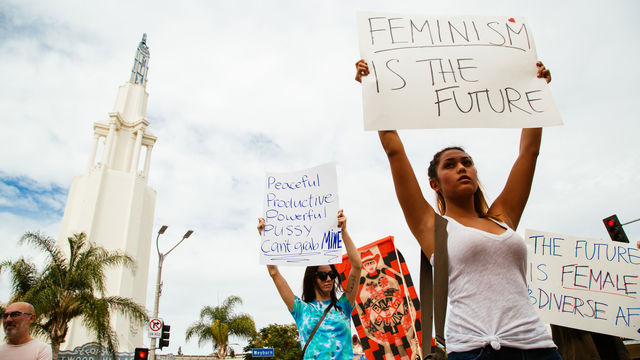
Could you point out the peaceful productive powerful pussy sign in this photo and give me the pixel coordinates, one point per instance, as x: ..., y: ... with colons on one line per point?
x: 300, y: 211
x: 451, y: 72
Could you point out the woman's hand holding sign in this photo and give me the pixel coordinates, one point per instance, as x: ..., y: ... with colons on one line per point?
x: 543, y: 72
x: 362, y: 70
x: 272, y: 268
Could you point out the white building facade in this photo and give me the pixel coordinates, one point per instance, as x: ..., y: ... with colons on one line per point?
x: 113, y: 203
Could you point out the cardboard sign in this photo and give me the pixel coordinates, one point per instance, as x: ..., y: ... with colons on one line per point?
x: 301, y: 224
x: 451, y: 72
x: 585, y: 284
x: 387, y: 312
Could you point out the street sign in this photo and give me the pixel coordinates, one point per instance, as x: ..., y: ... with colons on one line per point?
x: 155, y: 328
x: 262, y: 352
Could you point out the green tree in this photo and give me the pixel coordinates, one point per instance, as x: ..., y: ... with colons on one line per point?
x: 282, y: 338
x: 71, y: 287
x: 218, y: 323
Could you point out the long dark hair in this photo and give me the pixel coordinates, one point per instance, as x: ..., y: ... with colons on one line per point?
x: 309, y: 284
x: 479, y: 202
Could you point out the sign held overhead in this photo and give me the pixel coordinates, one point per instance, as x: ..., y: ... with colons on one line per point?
x: 451, y: 72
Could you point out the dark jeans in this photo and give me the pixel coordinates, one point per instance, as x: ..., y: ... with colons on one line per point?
x: 505, y: 353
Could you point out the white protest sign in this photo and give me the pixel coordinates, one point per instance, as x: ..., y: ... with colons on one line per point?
x: 585, y: 283
x: 451, y: 72
x: 301, y: 224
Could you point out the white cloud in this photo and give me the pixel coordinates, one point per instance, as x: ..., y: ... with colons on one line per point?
x: 238, y: 88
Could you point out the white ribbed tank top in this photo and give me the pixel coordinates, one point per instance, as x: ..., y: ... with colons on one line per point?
x: 488, y: 299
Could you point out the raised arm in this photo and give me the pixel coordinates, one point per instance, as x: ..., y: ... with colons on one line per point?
x: 353, y: 282
x: 418, y: 214
x: 511, y: 202
x: 281, y: 284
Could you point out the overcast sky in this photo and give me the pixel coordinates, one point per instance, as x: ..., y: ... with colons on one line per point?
x: 239, y: 88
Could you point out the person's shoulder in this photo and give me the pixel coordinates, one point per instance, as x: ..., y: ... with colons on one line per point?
x: 40, y: 345
x: 298, y: 304
x: 44, y: 350
x: 343, y: 302
x: 38, y: 341
x: 343, y: 298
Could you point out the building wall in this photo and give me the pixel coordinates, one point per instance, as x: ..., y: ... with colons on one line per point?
x: 116, y: 210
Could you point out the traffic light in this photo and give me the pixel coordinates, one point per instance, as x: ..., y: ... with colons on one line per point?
x: 615, y: 229
x: 141, y: 354
x: 164, y: 337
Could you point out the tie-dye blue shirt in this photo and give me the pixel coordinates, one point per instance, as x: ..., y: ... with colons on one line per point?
x: 332, y: 340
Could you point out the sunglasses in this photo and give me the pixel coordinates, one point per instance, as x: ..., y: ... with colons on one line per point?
x: 14, y: 314
x: 322, y: 275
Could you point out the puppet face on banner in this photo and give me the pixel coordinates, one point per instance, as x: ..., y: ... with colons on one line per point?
x: 370, y: 266
x: 370, y: 262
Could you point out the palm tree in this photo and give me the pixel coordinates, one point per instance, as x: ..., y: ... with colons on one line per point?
x: 218, y: 323
x: 72, y: 287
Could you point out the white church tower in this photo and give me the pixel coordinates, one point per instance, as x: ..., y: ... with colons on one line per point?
x: 112, y: 202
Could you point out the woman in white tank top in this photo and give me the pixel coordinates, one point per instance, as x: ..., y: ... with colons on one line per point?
x: 489, y: 314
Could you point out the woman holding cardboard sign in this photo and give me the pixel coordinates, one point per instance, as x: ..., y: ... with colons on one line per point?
x: 323, y: 320
x: 489, y: 314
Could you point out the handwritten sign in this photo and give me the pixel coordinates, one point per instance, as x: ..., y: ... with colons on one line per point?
x: 451, y: 72
x: 300, y: 211
x: 585, y: 283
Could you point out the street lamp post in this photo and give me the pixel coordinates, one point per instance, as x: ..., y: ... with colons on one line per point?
x: 161, y: 256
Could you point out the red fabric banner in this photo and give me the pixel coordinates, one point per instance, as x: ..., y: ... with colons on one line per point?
x: 387, y: 312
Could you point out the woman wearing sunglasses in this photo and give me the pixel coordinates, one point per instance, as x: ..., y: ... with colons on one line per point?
x: 332, y: 339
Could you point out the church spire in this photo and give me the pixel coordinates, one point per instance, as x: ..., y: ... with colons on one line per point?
x: 140, y: 63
